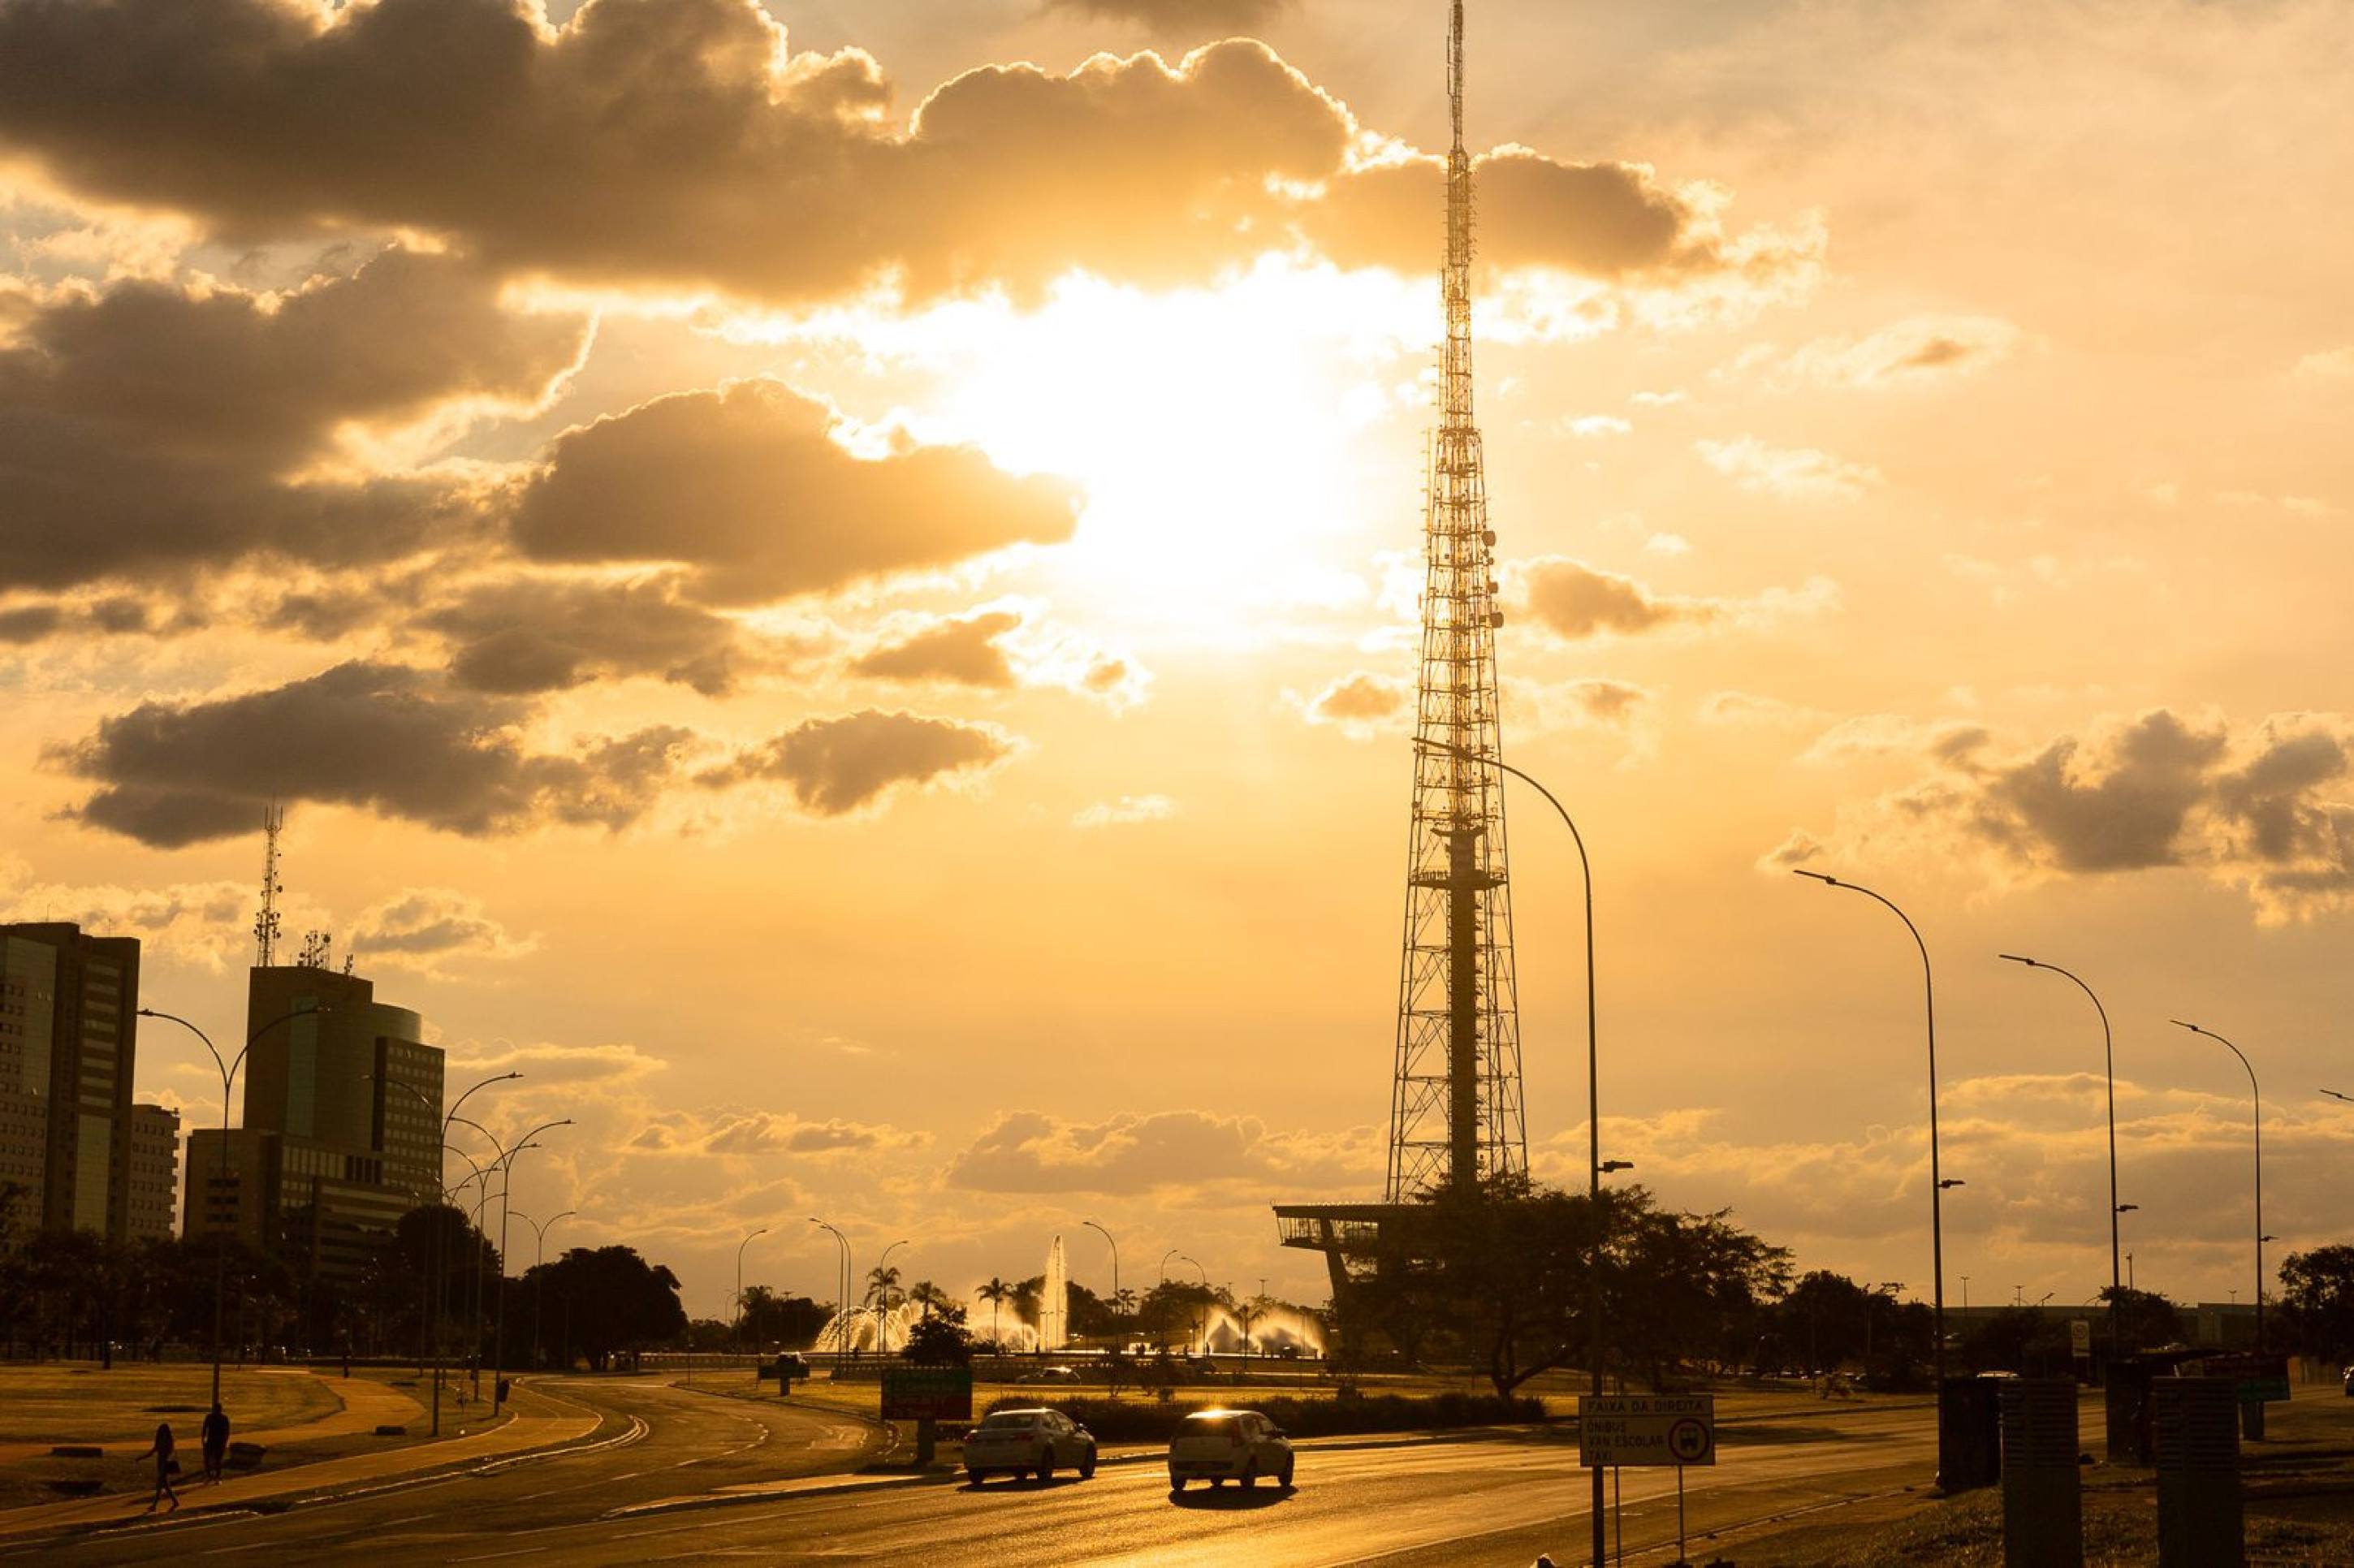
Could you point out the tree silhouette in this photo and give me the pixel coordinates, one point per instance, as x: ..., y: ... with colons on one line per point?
x: 997, y: 1293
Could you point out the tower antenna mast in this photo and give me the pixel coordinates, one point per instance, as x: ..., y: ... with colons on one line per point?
x: 265, y: 922
x: 1454, y: 1106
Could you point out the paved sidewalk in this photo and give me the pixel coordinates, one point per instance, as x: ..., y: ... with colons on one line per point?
x: 535, y: 1421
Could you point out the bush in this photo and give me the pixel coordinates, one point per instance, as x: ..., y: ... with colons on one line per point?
x: 1115, y: 1422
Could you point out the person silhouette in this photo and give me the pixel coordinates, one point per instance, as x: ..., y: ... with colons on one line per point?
x: 215, y: 1436
x: 164, y: 1466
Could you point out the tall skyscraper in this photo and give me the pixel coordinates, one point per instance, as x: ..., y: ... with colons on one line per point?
x: 69, y: 1034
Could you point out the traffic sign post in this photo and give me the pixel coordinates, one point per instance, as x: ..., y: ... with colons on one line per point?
x: 1678, y: 1429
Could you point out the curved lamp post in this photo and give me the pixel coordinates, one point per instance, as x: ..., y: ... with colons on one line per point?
x: 507, y: 1183
x: 2109, y: 1069
x: 1115, y: 1267
x: 1936, y: 1183
x: 1599, y: 1351
x: 221, y: 1160
x: 2256, y: 1102
x: 842, y: 1278
x: 539, y: 1229
x: 739, y: 1283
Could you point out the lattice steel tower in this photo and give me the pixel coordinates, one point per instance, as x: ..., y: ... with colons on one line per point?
x: 1455, y: 1110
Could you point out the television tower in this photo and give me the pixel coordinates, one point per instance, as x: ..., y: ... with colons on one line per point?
x: 1455, y: 1107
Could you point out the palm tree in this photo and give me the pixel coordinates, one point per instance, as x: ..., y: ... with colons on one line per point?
x: 928, y: 1295
x: 997, y: 1293
x: 882, y: 1288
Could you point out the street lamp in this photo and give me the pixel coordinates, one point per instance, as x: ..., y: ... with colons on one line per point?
x: 2109, y: 1070
x: 220, y: 1158
x: 739, y: 1283
x: 539, y: 1229
x: 1937, y: 1184
x: 1598, y: 1350
x: 2255, y: 1099
x: 1115, y: 1270
x: 507, y: 1183
x: 842, y: 1302
x: 1200, y: 1319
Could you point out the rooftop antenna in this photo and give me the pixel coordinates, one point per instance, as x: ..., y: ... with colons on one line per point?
x: 265, y: 922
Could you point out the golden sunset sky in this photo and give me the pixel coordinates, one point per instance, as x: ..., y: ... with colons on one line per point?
x: 836, y: 584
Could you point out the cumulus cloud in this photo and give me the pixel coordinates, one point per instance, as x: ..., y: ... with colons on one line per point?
x: 189, y: 921
x: 678, y: 142
x: 1791, y: 473
x: 1028, y: 1151
x: 420, y: 925
x: 543, y: 1063
x: 1360, y: 704
x: 763, y: 1133
x: 1574, y: 600
x: 835, y: 765
x: 2034, y: 1149
x: 152, y: 427
x: 522, y: 635
x: 388, y: 738
x: 750, y: 488
x: 2269, y: 806
x: 964, y: 649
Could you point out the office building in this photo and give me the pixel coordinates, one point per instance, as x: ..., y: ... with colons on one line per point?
x: 155, y: 1172
x: 69, y: 1034
x: 342, y: 1129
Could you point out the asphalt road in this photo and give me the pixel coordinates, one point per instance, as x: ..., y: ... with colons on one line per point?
x: 644, y: 1499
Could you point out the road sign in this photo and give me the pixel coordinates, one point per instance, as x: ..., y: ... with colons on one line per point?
x: 2080, y: 1336
x: 926, y: 1393
x: 1646, y: 1429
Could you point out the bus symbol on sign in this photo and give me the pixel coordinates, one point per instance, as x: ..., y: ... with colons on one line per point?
x: 1689, y: 1441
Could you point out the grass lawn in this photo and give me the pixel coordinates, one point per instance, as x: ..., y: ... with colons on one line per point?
x: 75, y: 1403
x: 2120, y: 1531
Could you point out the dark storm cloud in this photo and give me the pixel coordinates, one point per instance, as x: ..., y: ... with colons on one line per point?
x: 837, y: 765
x: 962, y: 650
x: 154, y: 428
x: 386, y: 738
x: 746, y: 486
x: 525, y: 635
x: 667, y: 142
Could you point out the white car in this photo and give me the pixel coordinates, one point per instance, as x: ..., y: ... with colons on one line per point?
x: 1028, y: 1442
x: 1218, y: 1445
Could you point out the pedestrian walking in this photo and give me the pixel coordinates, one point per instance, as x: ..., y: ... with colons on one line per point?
x: 215, y: 1434
x: 165, y: 1467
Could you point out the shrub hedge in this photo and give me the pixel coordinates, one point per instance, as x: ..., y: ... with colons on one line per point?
x: 1150, y: 1421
